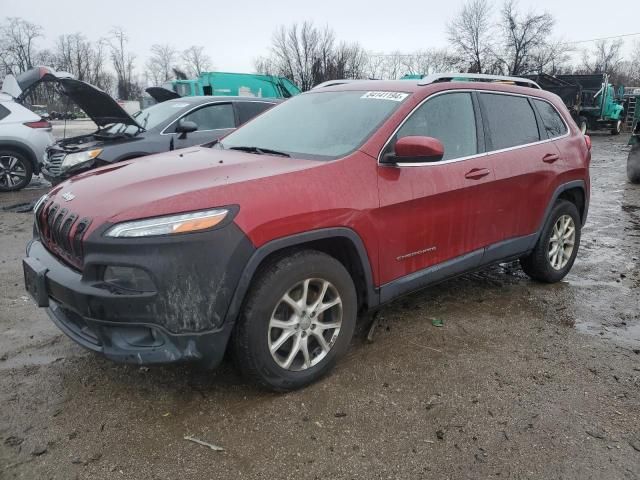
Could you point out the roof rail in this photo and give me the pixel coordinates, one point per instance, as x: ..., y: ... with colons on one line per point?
x: 479, y: 77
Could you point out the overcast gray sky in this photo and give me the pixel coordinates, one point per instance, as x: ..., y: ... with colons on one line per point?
x: 234, y: 32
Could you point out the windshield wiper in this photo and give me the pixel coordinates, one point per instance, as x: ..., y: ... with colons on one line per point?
x: 260, y: 151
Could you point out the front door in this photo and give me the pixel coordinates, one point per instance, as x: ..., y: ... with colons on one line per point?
x: 433, y: 212
x: 213, y: 120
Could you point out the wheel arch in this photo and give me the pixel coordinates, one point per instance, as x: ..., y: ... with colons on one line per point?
x: 342, y: 243
x: 25, y: 150
x: 575, y: 192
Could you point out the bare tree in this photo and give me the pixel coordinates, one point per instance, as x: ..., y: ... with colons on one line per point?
x: 470, y: 34
x: 123, y: 63
x: 551, y: 57
x: 17, y: 44
x: 196, y: 60
x: 308, y: 55
x: 161, y: 62
x: 605, y: 57
x: 522, y: 34
x: 83, y: 58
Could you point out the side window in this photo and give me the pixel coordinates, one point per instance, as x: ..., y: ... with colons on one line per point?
x: 509, y: 120
x: 4, y: 112
x: 553, y: 124
x: 212, y: 117
x: 450, y: 118
x: 248, y: 110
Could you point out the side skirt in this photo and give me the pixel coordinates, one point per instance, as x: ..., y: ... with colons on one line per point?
x: 478, y: 259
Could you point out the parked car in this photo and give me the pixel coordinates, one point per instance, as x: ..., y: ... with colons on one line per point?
x: 165, y: 126
x: 24, y: 136
x: 339, y: 200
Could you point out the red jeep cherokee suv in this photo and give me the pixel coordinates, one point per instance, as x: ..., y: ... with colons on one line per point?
x: 330, y: 204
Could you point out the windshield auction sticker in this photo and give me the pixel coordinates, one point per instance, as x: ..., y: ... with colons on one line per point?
x: 395, y: 96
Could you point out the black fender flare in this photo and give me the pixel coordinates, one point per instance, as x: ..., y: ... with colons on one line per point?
x: 558, y: 191
x: 26, y: 149
x: 373, y: 298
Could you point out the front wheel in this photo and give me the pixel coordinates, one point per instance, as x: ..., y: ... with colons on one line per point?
x: 298, y: 319
x: 557, y: 247
x: 617, y: 128
x: 15, y: 171
x: 583, y: 125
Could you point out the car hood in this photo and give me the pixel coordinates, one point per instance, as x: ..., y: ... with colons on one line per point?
x: 161, y: 94
x: 97, y: 104
x: 173, y: 182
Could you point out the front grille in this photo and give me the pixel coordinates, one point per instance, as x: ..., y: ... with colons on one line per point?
x: 54, y: 162
x: 62, y: 232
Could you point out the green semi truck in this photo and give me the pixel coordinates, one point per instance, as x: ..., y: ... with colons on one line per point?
x: 594, y: 102
x: 226, y: 84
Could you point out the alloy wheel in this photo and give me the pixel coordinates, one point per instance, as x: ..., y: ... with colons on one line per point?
x: 12, y: 171
x: 305, y: 324
x: 562, y: 242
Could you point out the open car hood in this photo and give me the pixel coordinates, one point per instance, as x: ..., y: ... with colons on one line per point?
x: 161, y: 94
x: 97, y: 104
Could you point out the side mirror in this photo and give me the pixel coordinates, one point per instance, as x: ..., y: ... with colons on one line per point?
x: 184, y: 127
x: 416, y: 149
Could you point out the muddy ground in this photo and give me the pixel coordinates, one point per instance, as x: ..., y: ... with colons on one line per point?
x: 523, y: 381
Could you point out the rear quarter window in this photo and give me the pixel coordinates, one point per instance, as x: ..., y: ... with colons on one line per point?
x: 509, y: 120
x: 4, y: 112
x: 248, y: 110
x: 553, y: 124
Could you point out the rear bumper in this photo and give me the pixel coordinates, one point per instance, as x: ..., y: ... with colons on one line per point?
x: 184, y: 319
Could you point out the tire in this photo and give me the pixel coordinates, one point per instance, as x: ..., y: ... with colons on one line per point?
x: 617, y: 129
x: 539, y: 264
x: 16, y: 170
x: 633, y: 164
x: 257, y: 331
x: 583, y: 125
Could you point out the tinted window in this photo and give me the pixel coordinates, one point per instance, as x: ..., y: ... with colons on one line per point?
x: 450, y: 119
x: 4, y: 112
x: 553, y: 124
x: 212, y: 117
x: 248, y: 110
x: 509, y: 120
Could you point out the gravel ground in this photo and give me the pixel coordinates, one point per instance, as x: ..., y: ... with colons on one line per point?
x: 523, y: 381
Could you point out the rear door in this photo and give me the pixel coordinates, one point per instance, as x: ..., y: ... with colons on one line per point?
x: 433, y: 212
x: 524, y: 160
x: 213, y: 120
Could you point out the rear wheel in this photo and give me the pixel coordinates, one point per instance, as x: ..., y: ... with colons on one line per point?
x: 298, y: 319
x: 557, y: 247
x: 15, y: 170
x: 617, y: 128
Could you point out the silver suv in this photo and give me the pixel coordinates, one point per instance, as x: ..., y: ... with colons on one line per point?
x: 24, y: 136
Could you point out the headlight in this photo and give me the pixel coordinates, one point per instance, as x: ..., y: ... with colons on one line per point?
x: 80, y: 157
x: 183, y: 223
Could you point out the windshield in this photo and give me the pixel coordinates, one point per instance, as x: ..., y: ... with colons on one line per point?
x: 318, y: 125
x: 148, y: 118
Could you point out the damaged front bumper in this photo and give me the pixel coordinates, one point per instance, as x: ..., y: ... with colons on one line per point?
x: 183, y: 318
